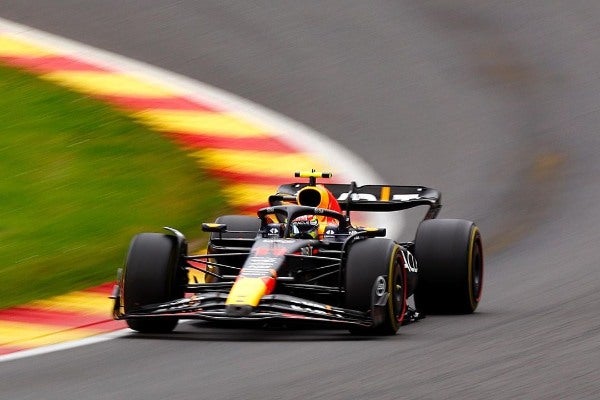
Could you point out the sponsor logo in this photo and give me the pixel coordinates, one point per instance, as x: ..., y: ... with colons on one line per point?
x: 405, y: 197
x: 357, y: 197
x: 410, y: 263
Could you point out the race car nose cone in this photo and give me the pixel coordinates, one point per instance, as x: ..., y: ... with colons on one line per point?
x: 238, y: 310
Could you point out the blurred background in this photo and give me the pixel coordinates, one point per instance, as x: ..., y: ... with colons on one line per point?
x: 494, y: 103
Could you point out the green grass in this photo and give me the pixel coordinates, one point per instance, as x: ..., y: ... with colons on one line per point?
x: 79, y: 179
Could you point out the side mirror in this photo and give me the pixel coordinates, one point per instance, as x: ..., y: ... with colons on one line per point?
x: 375, y: 232
x: 211, y: 227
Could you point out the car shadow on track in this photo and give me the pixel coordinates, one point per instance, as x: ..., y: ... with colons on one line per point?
x: 207, y: 331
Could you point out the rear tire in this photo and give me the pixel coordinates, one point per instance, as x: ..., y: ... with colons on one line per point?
x: 153, y: 274
x: 366, y: 261
x: 449, y: 255
x: 250, y: 226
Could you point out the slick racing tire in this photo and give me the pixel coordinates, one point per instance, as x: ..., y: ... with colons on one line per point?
x: 449, y: 257
x: 153, y: 274
x: 367, y: 261
x: 247, y: 228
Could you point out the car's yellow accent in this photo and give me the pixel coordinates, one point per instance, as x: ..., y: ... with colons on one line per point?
x: 213, y: 227
x: 313, y: 174
x: 246, y: 291
x: 385, y: 193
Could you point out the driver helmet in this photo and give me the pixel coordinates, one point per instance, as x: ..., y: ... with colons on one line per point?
x: 305, y: 227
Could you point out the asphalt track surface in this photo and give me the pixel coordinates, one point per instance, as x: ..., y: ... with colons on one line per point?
x: 494, y: 103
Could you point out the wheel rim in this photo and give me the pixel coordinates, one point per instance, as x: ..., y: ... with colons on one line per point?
x: 398, y: 295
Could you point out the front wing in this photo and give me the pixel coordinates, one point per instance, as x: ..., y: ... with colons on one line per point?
x: 211, y: 306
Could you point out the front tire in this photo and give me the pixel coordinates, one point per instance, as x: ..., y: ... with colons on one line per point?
x: 449, y: 255
x: 367, y: 260
x: 153, y: 274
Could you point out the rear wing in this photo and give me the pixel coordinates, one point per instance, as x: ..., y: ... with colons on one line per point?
x: 372, y: 198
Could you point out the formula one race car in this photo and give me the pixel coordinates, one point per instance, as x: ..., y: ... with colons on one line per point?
x: 301, y: 259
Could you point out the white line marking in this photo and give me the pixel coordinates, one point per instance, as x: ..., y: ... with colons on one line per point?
x: 65, y: 345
